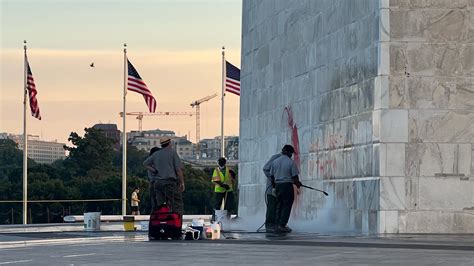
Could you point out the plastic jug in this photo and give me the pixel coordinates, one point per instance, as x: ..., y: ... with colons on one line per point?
x: 207, y: 232
x: 216, y: 231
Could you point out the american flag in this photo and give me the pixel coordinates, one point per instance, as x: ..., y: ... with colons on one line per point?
x: 232, y: 78
x: 31, y: 87
x: 136, y: 84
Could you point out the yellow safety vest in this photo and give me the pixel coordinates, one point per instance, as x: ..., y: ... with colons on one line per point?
x: 224, y: 178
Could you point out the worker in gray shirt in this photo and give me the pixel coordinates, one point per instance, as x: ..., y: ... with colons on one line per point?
x: 284, y: 173
x: 270, y: 196
x: 169, y: 182
x: 151, y: 178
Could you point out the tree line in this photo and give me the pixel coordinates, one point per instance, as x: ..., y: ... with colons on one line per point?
x: 92, y: 170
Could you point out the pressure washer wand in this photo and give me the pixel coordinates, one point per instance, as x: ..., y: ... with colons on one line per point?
x: 325, y: 193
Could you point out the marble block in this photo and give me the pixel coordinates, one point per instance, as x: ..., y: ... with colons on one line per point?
x: 463, y: 95
x: 395, y: 165
x: 382, y: 158
x: 445, y: 193
x: 412, y: 193
x: 392, y: 193
x: 384, y: 23
x: 251, y: 196
x: 381, y: 222
x: 398, y: 58
x: 431, y: 92
x: 391, y: 222
x: 441, y: 126
x: 390, y: 125
x: 398, y: 94
x: 381, y: 92
x: 436, y: 221
x: 444, y: 25
x: 472, y: 162
x: 431, y: 159
x: 244, y: 173
x: 366, y: 193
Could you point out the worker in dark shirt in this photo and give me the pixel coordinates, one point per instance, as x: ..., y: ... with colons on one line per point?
x: 270, y: 196
x: 284, y: 173
x: 166, y: 165
x: 152, y: 178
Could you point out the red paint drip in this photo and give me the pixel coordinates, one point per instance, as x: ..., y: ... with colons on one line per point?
x: 294, y: 135
x: 296, y: 145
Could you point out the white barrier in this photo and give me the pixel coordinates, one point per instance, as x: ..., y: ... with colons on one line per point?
x: 119, y: 218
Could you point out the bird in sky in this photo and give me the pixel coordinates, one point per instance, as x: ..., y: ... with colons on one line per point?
x: 92, y: 64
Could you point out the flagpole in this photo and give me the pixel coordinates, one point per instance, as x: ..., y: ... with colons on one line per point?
x: 124, y: 135
x: 25, y: 142
x: 222, y: 102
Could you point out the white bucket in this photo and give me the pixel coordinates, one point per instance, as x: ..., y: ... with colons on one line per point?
x: 144, y: 225
x: 197, y: 223
x: 92, y: 221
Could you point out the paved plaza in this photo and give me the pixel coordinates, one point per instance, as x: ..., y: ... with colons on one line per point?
x: 68, y: 245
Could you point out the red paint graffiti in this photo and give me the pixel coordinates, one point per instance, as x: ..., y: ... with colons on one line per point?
x: 296, y: 145
x: 294, y: 135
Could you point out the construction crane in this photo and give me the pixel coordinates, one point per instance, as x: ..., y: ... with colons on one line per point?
x: 197, y: 104
x: 140, y: 116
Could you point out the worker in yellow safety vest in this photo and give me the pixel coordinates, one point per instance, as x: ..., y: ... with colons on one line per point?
x: 224, y: 179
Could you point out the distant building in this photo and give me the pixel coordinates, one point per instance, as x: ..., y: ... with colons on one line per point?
x: 184, y: 148
x: 111, y: 131
x: 41, y: 151
x: 148, y: 139
x: 211, y: 148
x: 232, y: 148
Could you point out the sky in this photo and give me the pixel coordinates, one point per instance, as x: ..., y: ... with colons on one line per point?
x: 175, y: 45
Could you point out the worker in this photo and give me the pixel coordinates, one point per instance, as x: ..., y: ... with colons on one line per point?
x: 151, y: 179
x: 224, y: 179
x: 270, y: 197
x: 169, y: 183
x: 135, y: 201
x: 284, y: 173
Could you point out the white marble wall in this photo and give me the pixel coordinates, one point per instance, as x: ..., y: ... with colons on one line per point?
x: 321, y: 59
x: 427, y: 183
x: 383, y: 98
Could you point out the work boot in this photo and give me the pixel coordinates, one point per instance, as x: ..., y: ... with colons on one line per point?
x: 270, y: 228
x: 283, y: 229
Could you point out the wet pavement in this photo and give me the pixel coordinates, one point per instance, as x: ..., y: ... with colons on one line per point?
x: 70, y: 245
